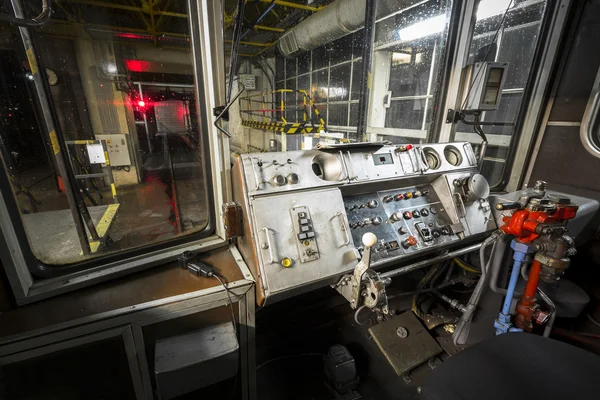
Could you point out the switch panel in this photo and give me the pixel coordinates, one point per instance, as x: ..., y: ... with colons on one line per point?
x: 307, y: 241
x: 416, y: 219
x: 118, y: 149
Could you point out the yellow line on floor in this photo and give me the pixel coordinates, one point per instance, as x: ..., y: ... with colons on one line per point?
x: 107, y: 219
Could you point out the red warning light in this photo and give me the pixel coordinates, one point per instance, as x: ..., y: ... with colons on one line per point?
x: 141, y: 103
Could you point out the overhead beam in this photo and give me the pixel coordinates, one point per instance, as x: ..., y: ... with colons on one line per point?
x: 257, y: 44
x: 269, y: 28
x: 291, y: 5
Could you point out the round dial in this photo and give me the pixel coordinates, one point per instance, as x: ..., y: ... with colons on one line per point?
x: 432, y: 158
x: 453, y: 155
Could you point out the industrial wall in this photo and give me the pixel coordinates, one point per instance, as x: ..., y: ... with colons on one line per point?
x: 562, y: 159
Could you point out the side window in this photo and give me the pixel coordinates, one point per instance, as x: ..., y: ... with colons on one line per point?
x: 125, y: 165
x: 516, y: 40
x: 409, y: 44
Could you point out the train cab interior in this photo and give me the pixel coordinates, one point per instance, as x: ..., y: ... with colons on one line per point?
x: 300, y: 199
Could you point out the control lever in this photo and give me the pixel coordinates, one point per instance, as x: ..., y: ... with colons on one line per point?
x: 364, y: 287
x: 369, y: 240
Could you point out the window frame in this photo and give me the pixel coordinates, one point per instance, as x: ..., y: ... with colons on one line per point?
x: 552, y: 30
x: 23, y: 269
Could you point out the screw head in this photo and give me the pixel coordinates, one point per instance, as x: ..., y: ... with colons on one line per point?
x: 402, y: 332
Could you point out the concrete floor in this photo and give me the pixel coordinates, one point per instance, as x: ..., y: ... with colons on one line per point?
x: 148, y: 213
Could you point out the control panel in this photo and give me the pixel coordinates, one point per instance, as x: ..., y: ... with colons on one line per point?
x: 305, y: 212
x: 404, y: 220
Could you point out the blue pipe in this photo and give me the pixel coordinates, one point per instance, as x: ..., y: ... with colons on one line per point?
x: 512, y: 284
x: 503, y: 324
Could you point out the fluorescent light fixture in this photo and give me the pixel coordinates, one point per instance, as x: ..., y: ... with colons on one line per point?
x: 489, y: 8
x: 423, y: 28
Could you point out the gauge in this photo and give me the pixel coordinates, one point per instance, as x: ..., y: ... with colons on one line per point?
x: 453, y: 155
x: 432, y: 158
x: 52, y: 77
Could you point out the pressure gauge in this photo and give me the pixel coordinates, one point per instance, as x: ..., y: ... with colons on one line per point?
x: 52, y: 77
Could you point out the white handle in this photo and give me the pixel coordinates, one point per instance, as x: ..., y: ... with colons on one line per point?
x: 268, y: 245
x: 343, y: 226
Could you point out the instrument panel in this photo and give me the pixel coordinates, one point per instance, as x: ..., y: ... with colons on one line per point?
x: 305, y: 212
x: 404, y: 220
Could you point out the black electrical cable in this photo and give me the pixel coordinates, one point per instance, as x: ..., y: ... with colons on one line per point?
x: 230, y: 302
x: 488, y: 51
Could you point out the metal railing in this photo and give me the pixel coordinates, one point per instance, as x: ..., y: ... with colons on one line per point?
x: 271, y: 113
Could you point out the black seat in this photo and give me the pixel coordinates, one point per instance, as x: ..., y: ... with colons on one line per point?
x: 516, y: 366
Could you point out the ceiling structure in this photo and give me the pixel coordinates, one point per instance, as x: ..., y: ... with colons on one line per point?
x: 163, y: 23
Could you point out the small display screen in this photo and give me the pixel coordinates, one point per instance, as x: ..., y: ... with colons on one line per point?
x: 383, y: 159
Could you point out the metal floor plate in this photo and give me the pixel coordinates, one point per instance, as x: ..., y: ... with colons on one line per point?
x: 405, y: 353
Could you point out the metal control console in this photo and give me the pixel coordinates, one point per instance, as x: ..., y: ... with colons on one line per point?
x: 306, y: 211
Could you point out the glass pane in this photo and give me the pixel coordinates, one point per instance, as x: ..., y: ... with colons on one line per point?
x: 279, y: 69
x: 338, y: 114
x: 341, y: 50
x: 130, y: 131
x: 409, y: 48
x: 320, y: 57
x: 410, y: 70
x: 290, y: 68
x: 304, y: 63
x: 353, y: 114
x: 339, y: 83
x: 407, y: 114
x: 291, y: 104
x: 356, y: 77
x: 320, y: 86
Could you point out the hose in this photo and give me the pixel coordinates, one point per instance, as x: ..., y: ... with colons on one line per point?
x: 464, y: 266
x: 458, y: 336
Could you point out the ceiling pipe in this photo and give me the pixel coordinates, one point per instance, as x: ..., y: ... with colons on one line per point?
x: 336, y: 20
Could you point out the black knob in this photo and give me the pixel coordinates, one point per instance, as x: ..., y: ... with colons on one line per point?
x: 352, y: 225
x: 398, y: 197
x: 425, y: 212
x: 289, y: 160
x: 402, y: 230
x: 376, y: 221
x: 259, y: 163
x: 435, y: 233
x: 445, y: 230
x: 416, y: 214
x: 407, y: 215
x: 388, y: 199
x: 425, y: 192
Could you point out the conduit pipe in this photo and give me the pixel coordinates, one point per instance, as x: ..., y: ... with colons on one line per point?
x: 336, y: 20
